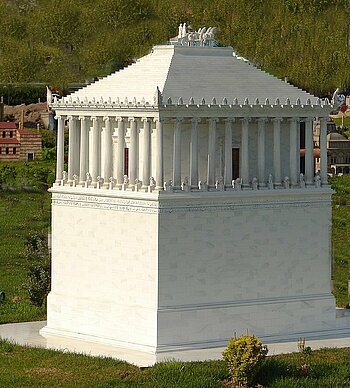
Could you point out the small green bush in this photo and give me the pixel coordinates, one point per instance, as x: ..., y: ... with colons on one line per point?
x: 38, y: 281
x: 244, y: 356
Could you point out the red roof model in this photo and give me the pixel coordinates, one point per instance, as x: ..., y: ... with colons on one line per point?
x: 7, y: 125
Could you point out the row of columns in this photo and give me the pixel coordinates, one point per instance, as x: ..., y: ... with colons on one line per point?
x: 78, y: 157
x: 78, y: 151
x: 293, y: 153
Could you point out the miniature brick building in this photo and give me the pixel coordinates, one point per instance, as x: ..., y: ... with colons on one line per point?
x: 18, y: 144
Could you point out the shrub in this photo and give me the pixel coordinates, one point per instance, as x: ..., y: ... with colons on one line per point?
x: 48, y: 138
x: 304, y: 359
x: 244, y: 356
x: 38, y: 282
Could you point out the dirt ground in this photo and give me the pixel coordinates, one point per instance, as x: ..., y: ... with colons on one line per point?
x: 32, y: 112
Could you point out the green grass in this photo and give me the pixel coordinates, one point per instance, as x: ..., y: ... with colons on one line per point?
x: 34, y: 367
x: 341, y: 239
x: 21, y: 213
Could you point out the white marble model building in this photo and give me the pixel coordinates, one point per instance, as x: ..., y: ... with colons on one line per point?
x: 184, y: 215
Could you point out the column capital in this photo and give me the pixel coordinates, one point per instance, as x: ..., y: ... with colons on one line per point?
x: 245, y: 119
x: 213, y: 119
x: 262, y: 120
x: 133, y: 119
x: 60, y: 117
x: 294, y: 119
x: 96, y: 118
x: 230, y: 120
x: 108, y: 118
x: 120, y: 119
x: 146, y: 119
x: 84, y: 118
x: 277, y: 119
x: 195, y: 120
x: 72, y: 117
x: 158, y: 120
x: 307, y: 119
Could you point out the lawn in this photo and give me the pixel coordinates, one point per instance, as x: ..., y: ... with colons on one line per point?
x: 30, y: 367
x: 22, y: 213
x: 341, y: 239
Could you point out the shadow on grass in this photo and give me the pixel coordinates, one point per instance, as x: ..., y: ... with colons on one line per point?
x: 274, y: 369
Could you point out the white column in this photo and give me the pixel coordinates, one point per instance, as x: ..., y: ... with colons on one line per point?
x: 228, y: 153
x: 323, y: 150
x: 146, y: 146
x: 177, y: 154
x: 60, y: 149
x: 133, y: 156
x: 96, y: 149
x: 77, y: 142
x: 72, y: 148
x: 294, y: 152
x: 159, y: 154
x: 84, y: 148
x: 261, y: 152
x: 108, y: 149
x: 245, y: 152
x: 194, y: 153
x: 309, y: 152
x: 120, y: 151
x: 211, y: 152
x: 277, y: 150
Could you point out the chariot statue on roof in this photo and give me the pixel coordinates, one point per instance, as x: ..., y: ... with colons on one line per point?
x: 202, y: 37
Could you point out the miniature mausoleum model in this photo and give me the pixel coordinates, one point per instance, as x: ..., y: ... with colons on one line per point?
x: 185, y: 215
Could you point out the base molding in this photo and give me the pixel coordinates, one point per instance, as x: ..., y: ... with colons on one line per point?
x: 203, y: 350
x: 49, y: 332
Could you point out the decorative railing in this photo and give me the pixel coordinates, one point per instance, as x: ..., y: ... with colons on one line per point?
x: 168, y: 187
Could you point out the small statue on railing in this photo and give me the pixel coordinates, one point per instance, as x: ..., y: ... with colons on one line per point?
x: 219, y: 184
x: 64, y: 178
x: 302, y: 181
x: 152, y: 184
x: 99, y: 182
x: 255, y: 183
x: 75, y: 180
x: 125, y: 183
x: 270, y: 182
x: 88, y: 179
x: 138, y: 184
x: 317, y: 181
x: 203, y: 186
x: 111, y: 183
x: 286, y: 183
x: 168, y: 186
x: 185, y: 186
x: 237, y: 184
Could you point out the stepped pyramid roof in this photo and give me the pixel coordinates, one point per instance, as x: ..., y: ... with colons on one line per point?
x: 183, y: 72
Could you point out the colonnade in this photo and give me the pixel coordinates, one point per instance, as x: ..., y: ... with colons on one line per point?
x: 85, y: 160
x: 84, y: 165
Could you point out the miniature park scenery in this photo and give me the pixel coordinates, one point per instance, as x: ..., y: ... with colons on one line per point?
x: 179, y: 205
